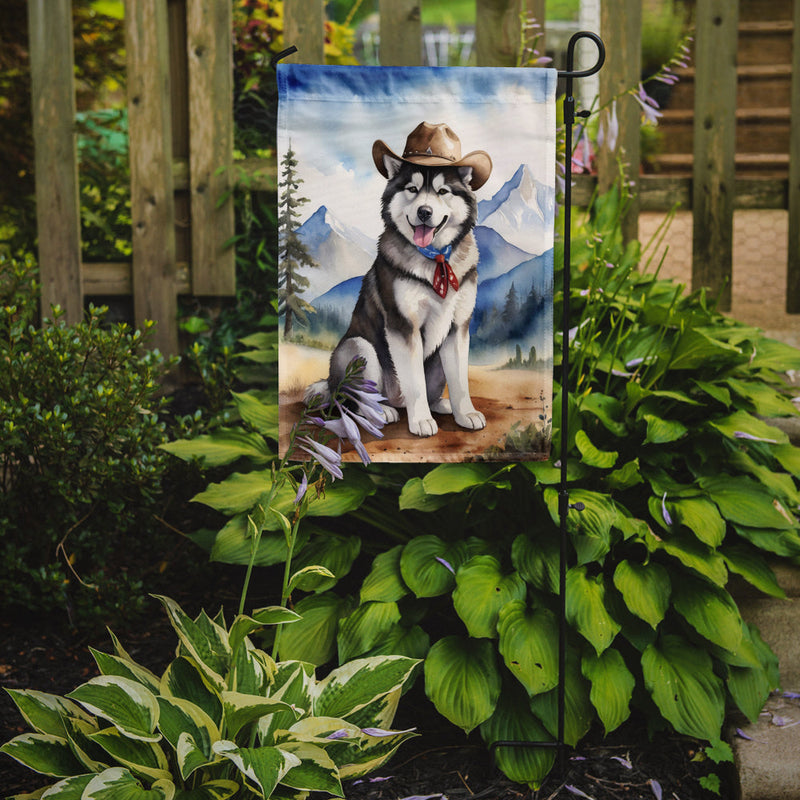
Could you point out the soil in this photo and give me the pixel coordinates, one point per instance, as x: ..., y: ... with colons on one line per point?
x: 44, y: 654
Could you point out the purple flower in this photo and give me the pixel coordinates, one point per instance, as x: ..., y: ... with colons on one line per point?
x: 664, y: 512
x: 328, y: 459
x: 742, y: 735
x: 751, y: 437
x: 624, y: 761
x: 655, y: 786
x: 380, y: 732
x: 342, y: 733
x: 608, y: 133
x: 649, y: 106
x: 577, y: 792
x: 301, y: 489
x: 447, y: 564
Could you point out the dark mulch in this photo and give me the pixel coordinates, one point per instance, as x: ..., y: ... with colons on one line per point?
x: 45, y: 655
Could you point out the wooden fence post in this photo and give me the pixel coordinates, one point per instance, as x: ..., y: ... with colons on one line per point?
x: 210, y: 55
x: 714, y: 189
x: 56, y: 161
x: 401, y: 33
x: 304, y: 27
x: 793, y: 266
x: 498, y: 29
x: 152, y: 201
x: 621, y: 28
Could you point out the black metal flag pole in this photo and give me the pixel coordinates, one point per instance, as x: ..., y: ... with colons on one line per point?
x: 563, y: 495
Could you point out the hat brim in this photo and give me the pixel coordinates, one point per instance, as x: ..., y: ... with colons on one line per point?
x: 478, y: 160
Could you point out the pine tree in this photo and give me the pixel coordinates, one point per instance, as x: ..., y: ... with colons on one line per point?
x: 511, y: 307
x: 292, y: 253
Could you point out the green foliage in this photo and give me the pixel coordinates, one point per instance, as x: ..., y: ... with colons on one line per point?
x: 79, y: 429
x: 223, y: 717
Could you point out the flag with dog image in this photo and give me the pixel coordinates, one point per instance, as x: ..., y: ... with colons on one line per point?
x: 416, y: 227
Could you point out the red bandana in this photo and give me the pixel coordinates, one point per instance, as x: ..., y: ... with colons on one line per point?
x: 443, y: 277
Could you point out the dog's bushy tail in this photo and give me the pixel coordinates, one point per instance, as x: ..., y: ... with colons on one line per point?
x: 317, y: 389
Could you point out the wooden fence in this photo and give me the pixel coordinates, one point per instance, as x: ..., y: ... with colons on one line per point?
x: 181, y: 133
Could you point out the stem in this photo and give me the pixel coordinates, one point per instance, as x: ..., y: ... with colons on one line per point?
x: 287, y: 576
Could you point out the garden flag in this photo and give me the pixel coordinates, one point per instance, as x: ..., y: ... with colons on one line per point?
x: 416, y: 224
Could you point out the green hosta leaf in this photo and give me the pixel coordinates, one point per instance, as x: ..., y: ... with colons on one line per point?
x: 44, y: 753
x: 646, y: 589
x: 767, y: 402
x: 182, y: 679
x: 312, y: 577
x: 788, y: 455
x: 414, y: 497
x: 428, y: 565
x: 586, y: 608
x: 223, y: 446
x: 512, y: 721
x: 743, y: 501
x: 683, y: 685
x: 365, y: 627
x: 782, y: 543
x: 385, y: 581
x: 693, y: 554
x: 451, y: 478
x: 717, y: 392
x: 590, y: 528
x: 263, y: 766
x: 126, y: 704
x: 578, y: 710
x: 749, y: 687
x: 709, y: 610
x: 537, y: 561
x: 701, y: 517
x: 207, y: 644
x: 608, y: 410
x: 243, y: 625
x: 242, y: 709
x: 399, y: 640
x: 774, y: 355
x: 740, y: 422
x: 663, y: 431
x: 145, y: 759
x: 118, y: 784
x: 261, y: 416
x: 316, y: 771
x: 695, y: 349
x: 233, y: 544
x: 462, y: 680
x: 125, y: 668
x: 590, y: 455
x: 481, y: 591
x: 335, y: 553
x: 45, y: 712
x: 529, y: 645
x: 237, y: 493
x: 355, y: 685
x: 753, y: 567
x: 212, y: 790
x: 627, y: 476
x: 313, y: 638
x: 612, y: 687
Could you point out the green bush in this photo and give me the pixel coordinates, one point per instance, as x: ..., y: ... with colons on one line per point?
x: 80, y: 468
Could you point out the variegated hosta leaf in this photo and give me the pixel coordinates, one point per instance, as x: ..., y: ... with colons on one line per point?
x: 481, y: 591
x: 683, y: 685
x: 68, y: 789
x: 586, y: 608
x: 204, y: 641
x: 125, y: 668
x: 529, y: 645
x: 513, y: 721
x: 612, y: 687
x: 44, y: 753
x: 242, y: 709
x: 358, y: 683
x: 45, y: 712
x: 334, y: 554
x: 183, y: 679
x: 316, y: 771
x: 252, y: 670
x: 78, y: 733
x: 262, y: 766
x: 117, y: 783
x: 179, y: 718
x: 294, y: 685
x: 244, y: 625
x: 372, y: 754
x: 462, y: 680
x: 646, y: 589
x: 385, y: 581
x: 212, y: 790
x: 145, y: 759
x: 126, y: 704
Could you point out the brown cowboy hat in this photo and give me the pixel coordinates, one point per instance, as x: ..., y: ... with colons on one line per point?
x: 436, y: 146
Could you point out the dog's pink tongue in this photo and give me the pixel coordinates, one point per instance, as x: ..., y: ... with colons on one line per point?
x: 423, y: 235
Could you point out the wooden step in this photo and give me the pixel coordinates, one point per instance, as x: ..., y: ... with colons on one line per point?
x: 767, y: 165
x: 765, y: 42
x: 754, y: 10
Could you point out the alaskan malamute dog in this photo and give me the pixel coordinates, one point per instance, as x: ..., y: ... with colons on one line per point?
x: 411, y: 321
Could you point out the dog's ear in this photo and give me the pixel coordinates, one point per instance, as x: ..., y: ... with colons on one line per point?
x: 465, y: 174
x: 392, y: 165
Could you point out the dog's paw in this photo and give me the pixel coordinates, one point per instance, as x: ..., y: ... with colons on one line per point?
x: 442, y: 406
x: 472, y: 420
x: 423, y: 427
x: 390, y: 414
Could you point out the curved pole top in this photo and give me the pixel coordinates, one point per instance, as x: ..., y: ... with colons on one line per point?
x: 570, y: 72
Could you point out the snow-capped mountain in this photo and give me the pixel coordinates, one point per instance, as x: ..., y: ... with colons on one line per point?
x: 521, y: 207
x: 342, y: 252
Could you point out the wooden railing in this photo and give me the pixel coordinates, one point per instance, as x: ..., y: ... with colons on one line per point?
x: 181, y: 134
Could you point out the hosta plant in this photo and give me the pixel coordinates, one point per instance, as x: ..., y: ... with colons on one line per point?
x: 224, y: 720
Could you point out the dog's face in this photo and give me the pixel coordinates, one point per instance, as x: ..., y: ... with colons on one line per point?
x: 429, y: 206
